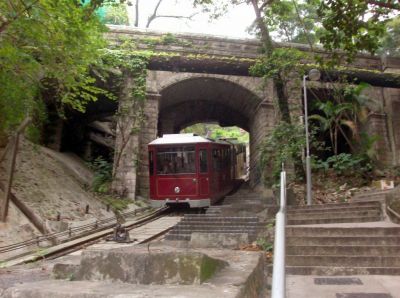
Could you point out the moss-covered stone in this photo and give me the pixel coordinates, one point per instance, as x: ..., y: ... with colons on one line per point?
x: 148, y: 268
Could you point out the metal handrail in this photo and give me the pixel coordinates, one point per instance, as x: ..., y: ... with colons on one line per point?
x: 278, y: 273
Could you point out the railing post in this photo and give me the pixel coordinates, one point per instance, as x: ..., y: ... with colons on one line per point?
x: 279, y: 265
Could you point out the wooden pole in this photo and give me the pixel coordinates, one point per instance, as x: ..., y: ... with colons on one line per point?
x: 6, y: 201
x: 4, y: 211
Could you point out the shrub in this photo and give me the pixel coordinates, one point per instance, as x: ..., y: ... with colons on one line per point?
x: 102, y: 175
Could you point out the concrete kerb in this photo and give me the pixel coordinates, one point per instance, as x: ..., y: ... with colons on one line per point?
x: 243, y: 277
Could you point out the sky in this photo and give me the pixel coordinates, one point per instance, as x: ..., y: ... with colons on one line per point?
x: 233, y: 24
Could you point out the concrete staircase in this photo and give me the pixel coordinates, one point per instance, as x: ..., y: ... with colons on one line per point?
x: 334, y: 213
x: 341, y: 239
x: 214, y: 223
x: 235, y: 214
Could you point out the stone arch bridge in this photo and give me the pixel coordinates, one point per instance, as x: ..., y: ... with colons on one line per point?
x: 214, y: 85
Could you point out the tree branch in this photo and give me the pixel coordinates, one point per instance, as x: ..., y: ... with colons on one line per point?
x: 137, y: 14
x: 384, y: 4
x: 154, y: 15
x: 6, y: 22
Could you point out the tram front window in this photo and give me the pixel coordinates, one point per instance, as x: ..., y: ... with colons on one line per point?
x: 176, y: 160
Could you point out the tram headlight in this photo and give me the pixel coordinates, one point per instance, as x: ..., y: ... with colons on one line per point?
x: 177, y: 189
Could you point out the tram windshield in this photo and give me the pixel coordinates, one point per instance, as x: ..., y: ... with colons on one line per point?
x: 176, y: 160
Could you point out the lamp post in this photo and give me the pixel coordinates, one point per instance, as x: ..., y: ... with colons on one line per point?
x: 313, y: 75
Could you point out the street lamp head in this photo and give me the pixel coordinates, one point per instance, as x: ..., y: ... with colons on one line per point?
x: 314, y: 75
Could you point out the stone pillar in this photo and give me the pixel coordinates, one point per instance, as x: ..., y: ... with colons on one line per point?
x: 392, y: 110
x: 126, y: 144
x: 294, y: 91
x: 376, y: 125
x: 261, y: 124
x: 147, y: 134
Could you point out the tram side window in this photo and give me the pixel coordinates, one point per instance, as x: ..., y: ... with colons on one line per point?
x: 151, y: 163
x: 176, y: 160
x: 203, y: 161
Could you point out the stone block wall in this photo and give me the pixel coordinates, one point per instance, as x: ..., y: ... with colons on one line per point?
x: 262, y: 123
x: 126, y: 145
x: 392, y: 110
x: 376, y: 125
x: 147, y: 134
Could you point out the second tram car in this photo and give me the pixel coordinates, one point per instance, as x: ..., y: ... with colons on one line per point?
x: 186, y: 168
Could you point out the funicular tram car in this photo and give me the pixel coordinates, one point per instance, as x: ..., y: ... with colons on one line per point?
x: 186, y: 168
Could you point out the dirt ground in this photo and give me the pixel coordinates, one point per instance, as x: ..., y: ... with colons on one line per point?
x: 48, y: 182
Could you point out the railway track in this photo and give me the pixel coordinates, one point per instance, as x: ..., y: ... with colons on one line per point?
x: 142, y: 229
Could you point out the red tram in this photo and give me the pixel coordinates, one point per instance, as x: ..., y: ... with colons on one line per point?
x: 186, y: 168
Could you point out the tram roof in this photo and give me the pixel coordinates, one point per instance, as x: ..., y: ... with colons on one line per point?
x: 183, y: 138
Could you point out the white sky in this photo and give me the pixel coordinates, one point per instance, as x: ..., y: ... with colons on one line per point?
x: 233, y: 24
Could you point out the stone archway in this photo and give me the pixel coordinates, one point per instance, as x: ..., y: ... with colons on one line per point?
x: 180, y: 99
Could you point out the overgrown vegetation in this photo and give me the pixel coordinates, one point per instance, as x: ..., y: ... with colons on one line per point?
x: 285, y: 142
x: 102, y: 184
x: 265, y: 245
x: 102, y: 175
x: 43, y: 60
x: 214, y: 131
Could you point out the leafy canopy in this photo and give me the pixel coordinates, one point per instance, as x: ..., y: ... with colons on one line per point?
x: 46, y: 48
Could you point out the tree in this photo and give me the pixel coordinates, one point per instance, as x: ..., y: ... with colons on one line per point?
x: 293, y: 22
x: 352, y: 26
x: 332, y: 120
x: 155, y: 14
x: 391, y: 40
x: 43, y: 60
x: 116, y: 15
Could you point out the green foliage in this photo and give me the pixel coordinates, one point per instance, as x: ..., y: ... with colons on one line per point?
x: 285, y: 142
x: 116, y: 15
x: 293, y: 21
x: 265, y: 245
x: 349, y: 165
x: 391, y: 40
x: 215, y: 131
x: 351, y: 26
x: 116, y: 204
x: 46, y: 48
x: 230, y: 132
x: 102, y: 175
x: 281, y: 64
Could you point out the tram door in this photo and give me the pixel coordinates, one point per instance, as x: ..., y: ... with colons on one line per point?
x: 203, y: 170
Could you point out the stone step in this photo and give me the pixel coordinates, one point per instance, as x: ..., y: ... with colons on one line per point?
x: 343, y: 214
x: 329, y: 210
x: 178, y: 237
x: 343, y: 260
x: 220, y: 217
x: 187, y: 236
x: 306, y: 221
x: 335, y: 271
x: 344, y: 240
x: 360, y: 250
x: 334, y: 205
x: 212, y: 226
x: 185, y: 232
x: 219, y: 222
x: 332, y: 231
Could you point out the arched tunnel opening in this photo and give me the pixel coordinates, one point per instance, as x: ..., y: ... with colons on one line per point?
x: 179, y: 105
x: 205, y: 100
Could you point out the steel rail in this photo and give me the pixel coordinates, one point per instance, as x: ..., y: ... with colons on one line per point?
x: 279, y: 265
x: 97, y: 225
x: 79, y: 241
